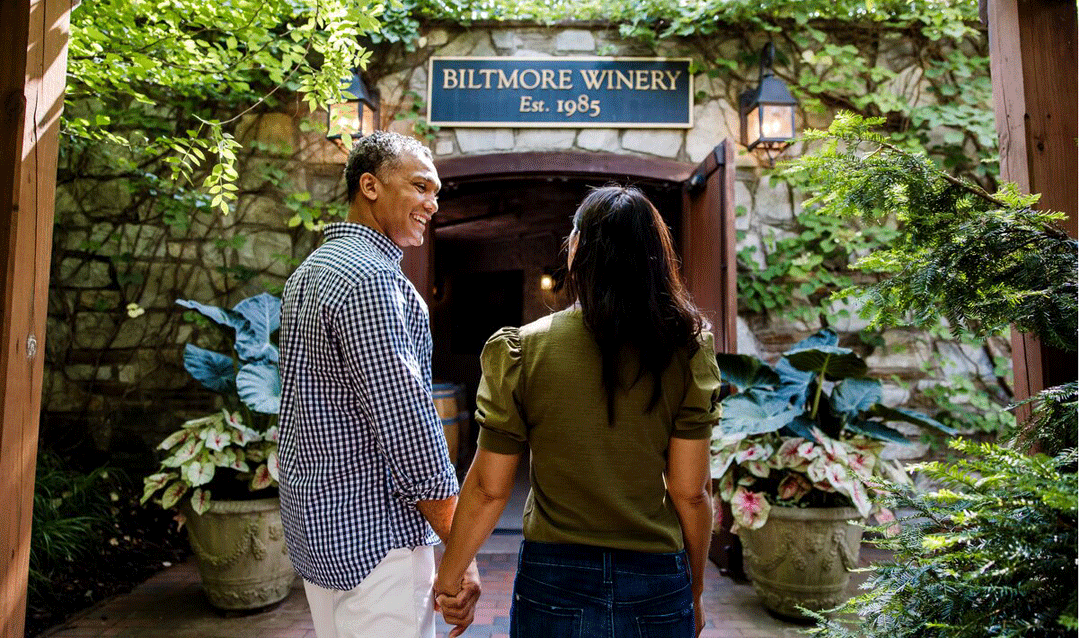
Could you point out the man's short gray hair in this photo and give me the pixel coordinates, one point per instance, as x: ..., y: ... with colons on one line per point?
x: 378, y: 154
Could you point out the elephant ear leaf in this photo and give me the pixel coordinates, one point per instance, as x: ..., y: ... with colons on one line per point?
x: 262, y: 315
x: 259, y: 386
x: 744, y: 371
x: 852, y: 396
x: 212, y: 369
x: 876, y: 430
x: 801, y: 426
x: 755, y: 413
x: 221, y: 316
x: 823, y: 337
x: 910, y: 416
x: 835, y: 362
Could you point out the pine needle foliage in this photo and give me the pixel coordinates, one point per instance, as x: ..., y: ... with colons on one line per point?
x: 982, y: 261
x: 992, y: 552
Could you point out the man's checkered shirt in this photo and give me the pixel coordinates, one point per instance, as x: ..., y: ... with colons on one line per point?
x: 361, y: 441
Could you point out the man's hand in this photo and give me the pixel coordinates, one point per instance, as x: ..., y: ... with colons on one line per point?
x: 458, y: 607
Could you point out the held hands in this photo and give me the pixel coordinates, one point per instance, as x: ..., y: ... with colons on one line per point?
x: 457, y: 602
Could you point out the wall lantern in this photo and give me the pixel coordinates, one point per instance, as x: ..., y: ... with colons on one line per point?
x: 767, y: 113
x: 357, y: 116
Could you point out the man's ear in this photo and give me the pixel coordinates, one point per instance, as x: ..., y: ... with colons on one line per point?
x: 369, y: 186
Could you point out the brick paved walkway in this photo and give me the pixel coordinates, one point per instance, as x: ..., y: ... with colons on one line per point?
x: 172, y: 605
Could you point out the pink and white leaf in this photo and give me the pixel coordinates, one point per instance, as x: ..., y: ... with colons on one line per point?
x: 217, y: 439
x: 860, y: 499
x: 200, y: 500
x: 808, y: 450
x: 175, y: 438
x: 759, y: 469
x: 753, y: 452
x: 189, y: 450
x: 750, y: 509
x: 199, y: 472
x: 172, y: 494
x: 262, y: 478
x: 272, y: 464
x: 793, y: 487
x: 727, y: 485
x: 816, y: 470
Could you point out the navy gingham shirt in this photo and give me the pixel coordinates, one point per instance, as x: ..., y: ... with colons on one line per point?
x: 361, y: 441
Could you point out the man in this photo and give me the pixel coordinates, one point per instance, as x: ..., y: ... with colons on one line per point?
x: 367, y: 486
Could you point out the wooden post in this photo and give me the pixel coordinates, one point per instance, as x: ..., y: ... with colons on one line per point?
x: 32, y: 79
x: 1033, y: 68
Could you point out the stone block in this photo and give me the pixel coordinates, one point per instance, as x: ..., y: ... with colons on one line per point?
x: 267, y: 251
x: 707, y: 132
x: 961, y: 359
x: 506, y: 40
x: 484, y: 140
x: 80, y: 273
x: 437, y: 37
x: 142, y: 240
x: 660, y: 143
x: 575, y: 40
x: 745, y: 201
x: 599, y: 139
x: 62, y: 395
x: 468, y: 43
x: 772, y: 204
x: 844, y: 316
x: 893, y: 395
x: 753, y: 240
x: 93, y: 330
x: 904, y: 353
x: 444, y: 147
x: 746, y: 342
x: 275, y: 130
x: 545, y: 139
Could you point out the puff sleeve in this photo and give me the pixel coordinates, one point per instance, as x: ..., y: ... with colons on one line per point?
x: 700, y: 408
x: 498, y: 399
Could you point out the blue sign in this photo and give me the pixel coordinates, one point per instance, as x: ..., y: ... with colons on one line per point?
x: 561, y: 92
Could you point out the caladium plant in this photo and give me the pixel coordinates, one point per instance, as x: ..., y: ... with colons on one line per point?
x: 232, y: 453
x: 808, y: 432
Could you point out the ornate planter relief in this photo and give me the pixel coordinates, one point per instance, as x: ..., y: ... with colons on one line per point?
x: 801, y: 557
x: 240, y: 547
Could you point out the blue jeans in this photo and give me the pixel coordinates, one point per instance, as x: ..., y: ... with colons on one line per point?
x: 577, y: 591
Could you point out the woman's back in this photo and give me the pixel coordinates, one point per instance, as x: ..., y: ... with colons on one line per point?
x: 593, y: 482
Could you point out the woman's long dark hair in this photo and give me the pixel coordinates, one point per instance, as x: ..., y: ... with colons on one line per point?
x: 625, y: 276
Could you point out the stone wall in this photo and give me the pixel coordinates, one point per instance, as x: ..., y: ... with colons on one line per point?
x: 117, y: 378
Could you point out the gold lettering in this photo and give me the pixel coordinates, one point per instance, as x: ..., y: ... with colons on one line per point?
x: 510, y: 82
x: 487, y: 73
x: 593, y: 78
x: 472, y: 80
x: 536, y: 79
x: 449, y: 79
x: 642, y: 77
x: 672, y: 76
x: 620, y: 78
x: 565, y: 83
x: 547, y: 79
x: 657, y: 78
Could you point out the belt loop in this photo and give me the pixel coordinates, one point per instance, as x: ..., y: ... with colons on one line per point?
x: 608, y: 560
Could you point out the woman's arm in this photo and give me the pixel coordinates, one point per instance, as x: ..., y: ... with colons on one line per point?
x: 688, y: 484
x: 484, y: 495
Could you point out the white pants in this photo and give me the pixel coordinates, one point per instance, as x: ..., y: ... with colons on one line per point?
x: 396, y: 599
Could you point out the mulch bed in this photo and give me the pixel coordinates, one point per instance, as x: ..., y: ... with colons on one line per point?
x: 146, y: 540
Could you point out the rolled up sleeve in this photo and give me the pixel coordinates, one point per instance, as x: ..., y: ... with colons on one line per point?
x: 386, y: 374
x: 700, y: 408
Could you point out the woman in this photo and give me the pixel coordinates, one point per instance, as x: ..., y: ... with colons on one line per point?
x: 616, y: 398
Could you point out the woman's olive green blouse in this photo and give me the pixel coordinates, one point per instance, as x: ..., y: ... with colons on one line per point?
x: 593, y: 483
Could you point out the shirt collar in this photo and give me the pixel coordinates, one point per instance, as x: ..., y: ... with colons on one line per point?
x: 338, y: 230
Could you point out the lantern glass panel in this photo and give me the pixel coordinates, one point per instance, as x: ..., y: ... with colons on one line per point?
x: 753, y: 127
x: 355, y: 118
x: 777, y: 122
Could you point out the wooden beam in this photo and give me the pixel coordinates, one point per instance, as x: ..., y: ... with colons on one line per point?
x: 1033, y: 69
x: 33, y: 72
x: 561, y: 164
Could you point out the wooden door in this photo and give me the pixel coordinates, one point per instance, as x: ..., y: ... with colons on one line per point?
x: 708, y: 262
x: 708, y: 241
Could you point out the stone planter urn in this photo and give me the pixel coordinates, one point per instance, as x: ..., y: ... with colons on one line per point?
x: 802, y: 557
x: 240, y: 547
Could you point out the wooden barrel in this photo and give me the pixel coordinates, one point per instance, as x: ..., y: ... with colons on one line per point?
x: 447, y: 405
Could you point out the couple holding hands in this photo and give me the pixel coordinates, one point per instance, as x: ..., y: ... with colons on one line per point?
x: 614, y: 399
